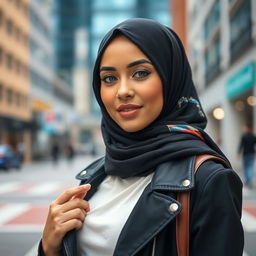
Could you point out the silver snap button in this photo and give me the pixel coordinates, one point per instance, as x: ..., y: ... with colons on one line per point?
x: 173, y: 207
x: 186, y: 183
x: 83, y: 173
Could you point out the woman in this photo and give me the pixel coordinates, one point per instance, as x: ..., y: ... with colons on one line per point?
x: 152, y: 125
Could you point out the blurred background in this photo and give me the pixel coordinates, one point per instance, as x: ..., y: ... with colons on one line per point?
x: 47, y: 51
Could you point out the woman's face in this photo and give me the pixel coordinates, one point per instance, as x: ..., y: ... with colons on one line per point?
x: 131, y: 88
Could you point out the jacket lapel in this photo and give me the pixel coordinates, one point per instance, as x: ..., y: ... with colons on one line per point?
x: 156, y: 207
x: 149, y: 216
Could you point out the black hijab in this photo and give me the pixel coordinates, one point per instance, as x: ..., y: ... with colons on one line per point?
x: 178, y: 130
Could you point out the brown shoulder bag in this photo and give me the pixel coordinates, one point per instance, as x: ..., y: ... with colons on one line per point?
x: 182, y: 221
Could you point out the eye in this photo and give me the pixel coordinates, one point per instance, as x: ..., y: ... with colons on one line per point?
x: 141, y: 74
x: 109, y: 79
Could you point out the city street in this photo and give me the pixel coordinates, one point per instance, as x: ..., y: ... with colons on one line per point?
x: 24, y: 198
x: 25, y: 195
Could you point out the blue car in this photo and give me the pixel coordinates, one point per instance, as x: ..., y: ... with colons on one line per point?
x: 9, y: 158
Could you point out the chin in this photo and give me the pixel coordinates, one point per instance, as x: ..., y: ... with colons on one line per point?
x: 132, y: 128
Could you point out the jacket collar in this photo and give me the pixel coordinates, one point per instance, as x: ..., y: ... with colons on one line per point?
x: 179, y: 180
x: 175, y: 175
x: 90, y: 171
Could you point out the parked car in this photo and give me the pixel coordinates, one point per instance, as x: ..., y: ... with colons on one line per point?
x: 9, y: 158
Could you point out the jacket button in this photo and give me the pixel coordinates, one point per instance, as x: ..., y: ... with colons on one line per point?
x: 83, y: 173
x: 186, y: 183
x: 173, y: 207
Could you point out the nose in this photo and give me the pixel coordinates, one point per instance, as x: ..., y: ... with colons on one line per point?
x: 125, y: 90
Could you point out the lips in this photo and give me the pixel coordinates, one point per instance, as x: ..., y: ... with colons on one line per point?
x: 128, y: 107
x: 128, y: 110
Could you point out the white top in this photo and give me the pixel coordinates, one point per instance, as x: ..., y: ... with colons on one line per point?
x: 110, y: 207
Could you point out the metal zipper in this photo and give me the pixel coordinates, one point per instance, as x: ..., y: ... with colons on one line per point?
x: 154, y: 247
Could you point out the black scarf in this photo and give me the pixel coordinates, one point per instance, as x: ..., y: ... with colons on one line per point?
x: 178, y: 131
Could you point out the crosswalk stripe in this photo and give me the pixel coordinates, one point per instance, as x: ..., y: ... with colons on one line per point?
x: 44, y: 189
x: 29, y: 189
x: 9, y: 187
x: 22, y: 229
x: 12, y: 210
x: 249, y: 222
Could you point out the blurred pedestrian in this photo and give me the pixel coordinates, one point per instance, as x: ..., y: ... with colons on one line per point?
x: 93, y: 149
x: 70, y: 152
x: 153, y: 129
x: 55, y: 151
x: 247, y: 150
x: 21, y: 151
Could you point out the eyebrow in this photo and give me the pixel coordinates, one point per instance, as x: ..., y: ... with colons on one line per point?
x: 132, y: 64
x: 137, y: 62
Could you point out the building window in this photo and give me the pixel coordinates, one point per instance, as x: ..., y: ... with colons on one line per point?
x: 9, y: 26
x: 1, y: 54
x: 25, y: 39
x: 155, y: 5
x: 18, y: 4
x: 9, y: 61
x: 25, y: 9
x: 212, y: 61
x: 17, y: 33
x: 18, y: 99
x: 101, y: 22
x: 25, y: 101
x: 25, y: 70
x: 1, y: 92
x: 240, y: 29
x: 1, y: 17
x: 114, y: 4
x: 212, y: 20
x: 161, y: 16
x: 17, y: 66
x: 9, y: 96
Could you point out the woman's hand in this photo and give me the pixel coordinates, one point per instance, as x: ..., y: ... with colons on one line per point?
x: 67, y: 212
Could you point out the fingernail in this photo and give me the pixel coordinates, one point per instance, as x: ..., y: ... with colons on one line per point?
x: 86, y: 185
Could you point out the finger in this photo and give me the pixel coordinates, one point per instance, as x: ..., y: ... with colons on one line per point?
x: 77, y: 213
x: 68, y: 194
x: 73, y: 204
x: 71, y: 224
x: 80, y: 195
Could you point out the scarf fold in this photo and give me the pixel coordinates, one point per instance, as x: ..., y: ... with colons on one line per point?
x: 178, y: 131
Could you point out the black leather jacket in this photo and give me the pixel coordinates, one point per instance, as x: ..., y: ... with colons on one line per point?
x: 215, y: 211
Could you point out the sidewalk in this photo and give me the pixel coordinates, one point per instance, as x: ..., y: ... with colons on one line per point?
x: 249, y: 195
x: 47, y: 170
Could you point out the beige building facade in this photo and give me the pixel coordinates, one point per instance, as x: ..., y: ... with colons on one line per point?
x: 15, y: 109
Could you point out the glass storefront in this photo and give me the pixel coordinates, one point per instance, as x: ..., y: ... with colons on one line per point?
x: 240, y: 29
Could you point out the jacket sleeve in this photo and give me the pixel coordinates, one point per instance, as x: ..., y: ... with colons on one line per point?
x: 215, y: 225
x: 40, y: 251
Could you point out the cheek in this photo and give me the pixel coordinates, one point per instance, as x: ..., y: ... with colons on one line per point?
x: 107, y: 98
x: 154, y: 92
x: 103, y: 96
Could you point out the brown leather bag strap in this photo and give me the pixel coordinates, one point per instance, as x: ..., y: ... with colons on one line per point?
x: 182, y: 220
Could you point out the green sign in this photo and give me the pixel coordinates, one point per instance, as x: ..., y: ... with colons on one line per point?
x: 242, y: 81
